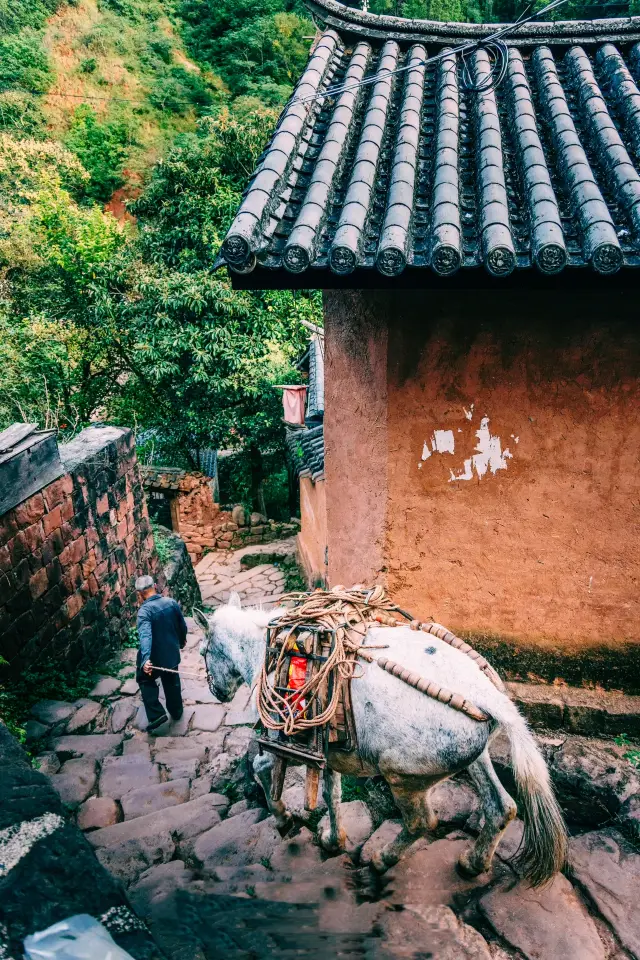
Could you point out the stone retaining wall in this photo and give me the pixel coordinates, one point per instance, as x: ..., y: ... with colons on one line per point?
x: 70, y: 553
x: 199, y: 520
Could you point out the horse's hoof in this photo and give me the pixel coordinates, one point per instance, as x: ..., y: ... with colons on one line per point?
x: 330, y: 844
x: 466, y: 869
x: 285, y: 825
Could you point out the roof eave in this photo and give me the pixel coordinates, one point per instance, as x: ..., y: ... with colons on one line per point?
x: 355, y: 23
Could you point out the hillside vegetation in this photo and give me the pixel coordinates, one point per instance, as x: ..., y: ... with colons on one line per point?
x: 123, y: 318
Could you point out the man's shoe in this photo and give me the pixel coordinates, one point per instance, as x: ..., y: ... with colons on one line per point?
x: 157, y: 723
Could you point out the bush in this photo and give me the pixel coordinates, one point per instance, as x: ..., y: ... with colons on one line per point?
x: 162, y: 48
x: 101, y: 147
x: 24, y: 62
x: 88, y: 65
x: 16, y: 14
x: 22, y: 114
x: 179, y: 90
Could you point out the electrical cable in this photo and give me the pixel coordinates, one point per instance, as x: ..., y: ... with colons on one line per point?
x: 492, y: 41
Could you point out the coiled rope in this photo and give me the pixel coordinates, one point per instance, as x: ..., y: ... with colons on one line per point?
x: 347, y: 616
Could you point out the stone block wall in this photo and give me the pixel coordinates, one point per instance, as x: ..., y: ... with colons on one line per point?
x: 200, y: 521
x: 69, y: 554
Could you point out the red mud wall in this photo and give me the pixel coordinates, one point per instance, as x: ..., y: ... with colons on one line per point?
x: 486, y: 463
x: 355, y: 437
x: 69, y: 555
x: 312, y: 539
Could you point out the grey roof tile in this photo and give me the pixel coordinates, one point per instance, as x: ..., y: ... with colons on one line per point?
x: 414, y: 171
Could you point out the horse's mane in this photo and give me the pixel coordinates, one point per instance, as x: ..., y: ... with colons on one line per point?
x: 235, y: 616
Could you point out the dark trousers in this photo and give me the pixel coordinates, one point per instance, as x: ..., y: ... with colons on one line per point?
x: 150, y: 694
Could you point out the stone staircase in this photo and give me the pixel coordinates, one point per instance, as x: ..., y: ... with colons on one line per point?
x: 177, y: 818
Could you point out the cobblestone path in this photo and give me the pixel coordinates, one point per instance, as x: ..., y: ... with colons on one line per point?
x: 177, y: 818
x: 222, y: 571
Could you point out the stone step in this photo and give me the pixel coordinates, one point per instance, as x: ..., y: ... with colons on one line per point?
x: 590, y: 713
x: 128, y: 849
x: 94, y: 745
x: 145, y: 800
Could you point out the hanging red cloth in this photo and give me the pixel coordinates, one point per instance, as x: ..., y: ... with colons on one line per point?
x: 294, y: 401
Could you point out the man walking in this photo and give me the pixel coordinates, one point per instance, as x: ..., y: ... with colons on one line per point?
x: 163, y: 634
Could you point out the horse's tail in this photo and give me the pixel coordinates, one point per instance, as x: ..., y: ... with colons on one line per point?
x: 543, y: 851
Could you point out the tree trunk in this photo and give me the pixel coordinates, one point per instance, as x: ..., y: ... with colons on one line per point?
x: 294, y: 488
x: 257, y: 480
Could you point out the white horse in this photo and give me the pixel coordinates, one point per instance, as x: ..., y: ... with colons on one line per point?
x: 412, y: 740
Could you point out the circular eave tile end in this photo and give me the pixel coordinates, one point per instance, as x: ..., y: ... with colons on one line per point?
x: 607, y: 258
x: 296, y: 259
x: 391, y: 262
x: 500, y: 262
x: 551, y: 258
x: 237, y: 252
x: 445, y: 260
x: 342, y: 260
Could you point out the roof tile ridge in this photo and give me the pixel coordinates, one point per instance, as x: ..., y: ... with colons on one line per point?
x: 548, y: 248
x: 599, y: 239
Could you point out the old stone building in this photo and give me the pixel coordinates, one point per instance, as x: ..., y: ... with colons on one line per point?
x: 474, y: 222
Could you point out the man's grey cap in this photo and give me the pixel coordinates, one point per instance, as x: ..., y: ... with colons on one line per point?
x: 143, y: 583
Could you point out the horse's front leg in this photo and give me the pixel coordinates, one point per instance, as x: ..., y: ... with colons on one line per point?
x: 333, y: 838
x: 262, y: 767
x: 418, y: 819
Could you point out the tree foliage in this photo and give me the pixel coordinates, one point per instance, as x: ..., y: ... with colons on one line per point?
x: 257, y: 46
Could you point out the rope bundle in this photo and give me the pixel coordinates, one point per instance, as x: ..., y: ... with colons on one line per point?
x: 347, y: 615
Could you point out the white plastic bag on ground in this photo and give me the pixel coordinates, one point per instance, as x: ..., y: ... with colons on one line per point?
x: 77, y: 938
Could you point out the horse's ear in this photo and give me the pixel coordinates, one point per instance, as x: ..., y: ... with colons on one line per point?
x: 234, y: 600
x: 201, y: 619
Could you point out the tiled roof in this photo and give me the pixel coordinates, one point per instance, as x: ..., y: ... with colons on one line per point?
x: 306, y: 447
x: 416, y: 171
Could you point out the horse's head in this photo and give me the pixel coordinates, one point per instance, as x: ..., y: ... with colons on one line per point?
x: 233, y: 646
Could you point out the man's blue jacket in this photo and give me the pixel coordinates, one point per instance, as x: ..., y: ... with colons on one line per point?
x: 162, y: 631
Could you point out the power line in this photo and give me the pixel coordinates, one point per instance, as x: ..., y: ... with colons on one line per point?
x: 492, y: 41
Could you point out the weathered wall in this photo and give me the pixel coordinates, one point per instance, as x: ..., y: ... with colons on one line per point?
x: 70, y: 553
x: 312, y: 539
x: 528, y: 529
x: 355, y: 437
x: 177, y: 568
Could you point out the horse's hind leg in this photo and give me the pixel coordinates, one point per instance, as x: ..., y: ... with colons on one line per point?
x: 334, y: 838
x: 499, y: 810
x: 417, y: 819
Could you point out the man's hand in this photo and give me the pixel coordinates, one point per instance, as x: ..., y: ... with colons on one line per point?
x: 148, y: 668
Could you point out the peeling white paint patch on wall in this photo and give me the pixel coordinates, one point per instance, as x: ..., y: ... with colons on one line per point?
x: 443, y: 441
x: 426, y: 453
x: 17, y: 841
x: 488, y: 456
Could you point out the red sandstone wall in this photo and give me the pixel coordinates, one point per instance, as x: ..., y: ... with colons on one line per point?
x: 544, y: 550
x: 312, y: 539
x: 69, y: 554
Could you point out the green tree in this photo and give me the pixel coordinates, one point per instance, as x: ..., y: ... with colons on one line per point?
x: 101, y: 146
